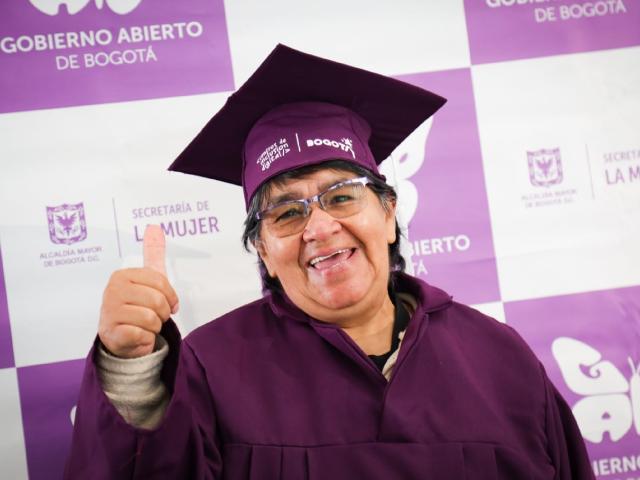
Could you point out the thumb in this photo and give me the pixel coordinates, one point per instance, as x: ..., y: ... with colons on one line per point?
x: 153, y: 249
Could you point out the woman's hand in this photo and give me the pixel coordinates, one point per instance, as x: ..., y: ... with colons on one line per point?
x: 137, y: 301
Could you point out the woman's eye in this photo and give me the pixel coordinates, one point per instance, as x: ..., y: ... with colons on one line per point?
x: 288, y: 214
x: 340, y: 199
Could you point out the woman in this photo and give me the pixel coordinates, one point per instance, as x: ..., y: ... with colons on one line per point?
x: 347, y: 368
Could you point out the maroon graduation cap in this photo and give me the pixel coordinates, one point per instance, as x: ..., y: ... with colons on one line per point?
x: 298, y: 109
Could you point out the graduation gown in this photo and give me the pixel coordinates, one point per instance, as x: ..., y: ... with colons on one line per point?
x: 266, y: 392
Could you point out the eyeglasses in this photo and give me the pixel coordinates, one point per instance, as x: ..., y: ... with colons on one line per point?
x: 340, y: 200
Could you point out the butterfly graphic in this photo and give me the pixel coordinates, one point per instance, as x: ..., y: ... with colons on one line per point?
x: 611, y: 402
x: 410, y: 157
x: 52, y: 7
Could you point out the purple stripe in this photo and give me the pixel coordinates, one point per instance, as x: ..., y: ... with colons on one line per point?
x: 450, y: 232
x: 508, y: 30
x: 47, y: 394
x: 39, y: 73
x: 607, y: 321
x: 6, y: 347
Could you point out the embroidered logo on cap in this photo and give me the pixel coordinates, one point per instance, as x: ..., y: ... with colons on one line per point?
x: 273, y: 152
x: 345, y: 144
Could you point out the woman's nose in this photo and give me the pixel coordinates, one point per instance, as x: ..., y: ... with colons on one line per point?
x: 320, y: 225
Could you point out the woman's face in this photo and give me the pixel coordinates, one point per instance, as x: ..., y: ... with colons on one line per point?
x: 353, y: 278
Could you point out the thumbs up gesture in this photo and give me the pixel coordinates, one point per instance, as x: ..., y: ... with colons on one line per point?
x: 137, y: 301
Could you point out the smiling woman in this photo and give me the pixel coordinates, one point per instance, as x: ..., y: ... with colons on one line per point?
x: 337, y: 269
x: 385, y: 194
x: 347, y: 368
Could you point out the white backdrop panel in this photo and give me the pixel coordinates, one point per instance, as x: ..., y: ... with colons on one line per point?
x: 559, y: 157
x: 116, y: 168
x: 391, y: 38
x: 13, y: 463
x: 579, y: 232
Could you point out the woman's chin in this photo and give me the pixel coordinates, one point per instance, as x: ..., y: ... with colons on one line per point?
x: 325, y: 298
x: 339, y: 297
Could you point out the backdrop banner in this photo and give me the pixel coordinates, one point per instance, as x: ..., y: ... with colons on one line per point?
x: 590, y: 345
x: 58, y: 53
x: 520, y: 197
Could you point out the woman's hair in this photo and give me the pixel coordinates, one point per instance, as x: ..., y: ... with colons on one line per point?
x: 385, y: 193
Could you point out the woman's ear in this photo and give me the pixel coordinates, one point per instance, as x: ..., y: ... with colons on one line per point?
x: 260, y: 247
x: 390, y: 221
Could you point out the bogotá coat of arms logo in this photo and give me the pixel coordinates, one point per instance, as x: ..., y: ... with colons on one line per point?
x: 67, y: 223
x: 545, y: 167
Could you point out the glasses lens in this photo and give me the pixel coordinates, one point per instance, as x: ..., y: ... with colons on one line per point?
x: 285, y: 218
x: 344, y: 200
x: 340, y: 201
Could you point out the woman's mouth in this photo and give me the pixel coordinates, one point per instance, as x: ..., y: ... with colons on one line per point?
x: 325, y: 262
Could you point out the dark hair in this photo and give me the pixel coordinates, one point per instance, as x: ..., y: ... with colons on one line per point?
x: 385, y: 193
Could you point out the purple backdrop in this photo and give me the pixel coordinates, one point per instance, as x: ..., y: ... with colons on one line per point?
x: 144, y: 49
x: 609, y: 323
x: 48, y: 393
x: 6, y: 347
x: 511, y: 29
x: 33, y: 79
x: 452, y: 200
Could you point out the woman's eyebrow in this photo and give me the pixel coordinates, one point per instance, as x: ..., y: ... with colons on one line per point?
x: 286, y: 196
x: 283, y: 197
x: 325, y: 185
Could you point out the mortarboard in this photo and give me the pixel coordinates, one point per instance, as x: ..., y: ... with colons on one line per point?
x: 298, y: 109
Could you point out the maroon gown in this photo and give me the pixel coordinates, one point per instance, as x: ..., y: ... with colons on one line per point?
x: 266, y: 392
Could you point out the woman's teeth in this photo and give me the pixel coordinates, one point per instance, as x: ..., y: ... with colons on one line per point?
x: 316, y: 260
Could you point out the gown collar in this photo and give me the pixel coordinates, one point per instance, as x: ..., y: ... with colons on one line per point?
x: 428, y: 300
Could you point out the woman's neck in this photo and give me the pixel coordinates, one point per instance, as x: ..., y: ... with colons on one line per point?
x: 372, y: 331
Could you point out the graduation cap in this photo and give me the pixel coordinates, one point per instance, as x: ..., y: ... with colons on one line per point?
x: 298, y: 109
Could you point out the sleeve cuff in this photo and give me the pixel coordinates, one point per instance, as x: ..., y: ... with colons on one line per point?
x: 134, y: 385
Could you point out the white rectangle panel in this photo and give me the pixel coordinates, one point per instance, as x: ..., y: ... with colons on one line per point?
x: 112, y: 159
x: 13, y: 462
x: 386, y: 37
x: 580, y: 231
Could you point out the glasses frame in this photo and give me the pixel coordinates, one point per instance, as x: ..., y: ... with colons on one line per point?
x: 306, y: 202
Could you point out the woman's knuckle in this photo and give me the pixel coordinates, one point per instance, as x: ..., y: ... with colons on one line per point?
x: 137, y: 336
x: 156, y: 326
x: 149, y: 316
x: 158, y: 302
